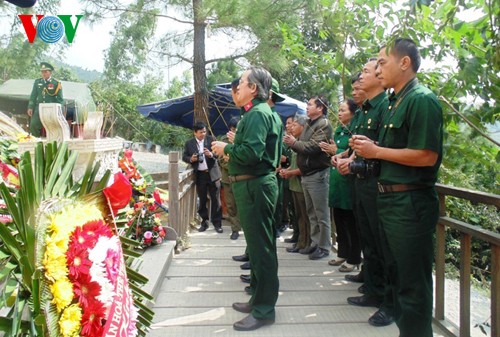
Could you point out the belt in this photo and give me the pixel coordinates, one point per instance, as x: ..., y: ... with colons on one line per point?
x: 241, y: 177
x: 204, y: 171
x: 399, y: 188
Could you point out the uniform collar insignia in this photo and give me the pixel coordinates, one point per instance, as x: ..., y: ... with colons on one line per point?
x: 248, y: 106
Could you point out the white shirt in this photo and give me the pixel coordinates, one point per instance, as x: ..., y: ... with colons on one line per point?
x: 201, y: 145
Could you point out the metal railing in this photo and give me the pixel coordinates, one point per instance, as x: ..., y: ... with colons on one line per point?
x: 467, y: 232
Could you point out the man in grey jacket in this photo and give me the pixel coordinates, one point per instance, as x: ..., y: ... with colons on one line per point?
x: 314, y: 166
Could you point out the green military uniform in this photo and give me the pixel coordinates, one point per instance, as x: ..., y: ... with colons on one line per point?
x: 340, y: 192
x: 232, y: 210
x: 408, y: 218
x: 254, y: 156
x: 365, y: 206
x: 44, y: 91
x: 300, y: 210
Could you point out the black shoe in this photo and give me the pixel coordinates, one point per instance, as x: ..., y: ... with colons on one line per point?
x: 234, y: 235
x: 243, y: 307
x: 293, y: 249
x: 308, y: 250
x: 203, y: 226
x: 356, y: 278
x: 293, y: 239
x: 249, y: 290
x: 319, y: 254
x: 245, y: 278
x: 246, y: 266
x: 362, y: 289
x: 250, y: 323
x: 241, y: 258
x: 219, y: 229
x: 364, y: 301
x: 381, y: 318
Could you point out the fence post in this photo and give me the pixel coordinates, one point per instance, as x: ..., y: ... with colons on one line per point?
x: 440, y: 260
x: 465, y: 267
x: 173, y: 191
x: 495, y: 290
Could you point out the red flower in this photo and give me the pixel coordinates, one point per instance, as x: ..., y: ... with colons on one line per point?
x: 157, y: 197
x: 86, y: 291
x: 119, y: 193
x: 86, y: 236
x: 78, y: 262
x: 92, y: 320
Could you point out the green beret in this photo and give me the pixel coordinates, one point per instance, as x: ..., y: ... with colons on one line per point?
x: 275, y: 89
x: 46, y: 66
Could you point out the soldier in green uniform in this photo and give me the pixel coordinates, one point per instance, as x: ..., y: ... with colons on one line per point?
x: 410, y: 151
x: 45, y: 90
x: 377, y: 291
x: 253, y: 158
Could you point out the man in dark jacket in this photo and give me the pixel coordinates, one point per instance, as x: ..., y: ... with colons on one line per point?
x: 198, y: 153
x: 314, y: 164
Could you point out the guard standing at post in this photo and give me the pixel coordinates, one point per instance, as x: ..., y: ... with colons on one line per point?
x: 253, y: 158
x: 410, y: 152
x: 45, y: 90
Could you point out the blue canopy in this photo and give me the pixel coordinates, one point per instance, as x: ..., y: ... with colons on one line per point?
x: 180, y: 111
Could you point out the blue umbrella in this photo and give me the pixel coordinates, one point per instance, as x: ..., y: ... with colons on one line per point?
x: 180, y: 111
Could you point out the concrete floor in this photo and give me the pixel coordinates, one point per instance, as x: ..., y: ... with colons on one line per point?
x: 202, y: 282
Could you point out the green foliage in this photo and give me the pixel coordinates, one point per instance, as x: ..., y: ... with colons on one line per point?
x: 222, y: 72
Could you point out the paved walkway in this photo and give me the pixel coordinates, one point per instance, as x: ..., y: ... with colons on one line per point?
x: 203, y: 281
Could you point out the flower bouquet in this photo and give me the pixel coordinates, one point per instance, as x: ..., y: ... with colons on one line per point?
x: 63, y: 268
x: 144, y: 223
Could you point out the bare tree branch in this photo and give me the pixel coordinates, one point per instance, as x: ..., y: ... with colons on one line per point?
x: 232, y: 57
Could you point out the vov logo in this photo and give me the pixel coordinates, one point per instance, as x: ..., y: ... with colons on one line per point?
x: 49, y: 29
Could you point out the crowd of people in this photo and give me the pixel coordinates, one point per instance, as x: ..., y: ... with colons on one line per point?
x: 367, y: 185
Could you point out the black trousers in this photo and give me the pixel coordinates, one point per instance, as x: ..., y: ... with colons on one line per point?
x: 349, y: 243
x: 204, y: 187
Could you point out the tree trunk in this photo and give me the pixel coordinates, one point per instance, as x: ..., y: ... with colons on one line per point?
x: 199, y: 72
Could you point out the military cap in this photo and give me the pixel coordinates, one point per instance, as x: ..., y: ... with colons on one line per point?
x: 46, y: 66
x: 275, y: 89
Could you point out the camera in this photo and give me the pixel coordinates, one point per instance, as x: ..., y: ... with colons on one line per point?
x: 200, y: 156
x: 365, y: 168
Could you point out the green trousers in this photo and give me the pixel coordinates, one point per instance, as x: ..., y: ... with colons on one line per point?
x: 232, y: 210
x: 408, y: 220
x: 36, y: 124
x: 256, y: 201
x: 367, y: 218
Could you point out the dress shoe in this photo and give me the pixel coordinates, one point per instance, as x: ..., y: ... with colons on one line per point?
x: 381, y: 318
x: 347, y: 268
x: 293, y: 239
x: 336, y: 262
x: 319, y: 254
x: 246, y: 266
x: 364, y: 301
x: 203, y: 226
x: 250, y: 323
x: 245, y: 278
x: 293, y: 249
x: 219, y: 229
x: 362, y: 289
x: 355, y: 278
x: 249, y: 290
x: 234, y: 235
x: 241, y: 258
x: 243, y: 307
x: 308, y: 250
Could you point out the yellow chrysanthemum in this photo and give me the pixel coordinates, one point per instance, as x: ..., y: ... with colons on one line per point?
x: 55, y: 267
x: 69, y: 323
x: 62, y: 290
x: 157, y: 221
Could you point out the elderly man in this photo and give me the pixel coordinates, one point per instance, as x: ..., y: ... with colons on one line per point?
x: 45, y: 90
x: 253, y: 158
x: 410, y: 151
